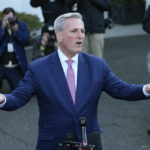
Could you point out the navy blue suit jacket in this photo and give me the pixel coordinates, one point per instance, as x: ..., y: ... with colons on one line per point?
x: 58, y: 115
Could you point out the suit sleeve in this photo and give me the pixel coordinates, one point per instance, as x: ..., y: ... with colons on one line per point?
x: 2, y: 38
x: 119, y: 89
x: 22, y: 94
x: 22, y: 34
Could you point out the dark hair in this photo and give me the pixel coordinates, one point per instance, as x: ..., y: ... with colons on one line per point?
x: 8, y: 10
x: 47, y: 28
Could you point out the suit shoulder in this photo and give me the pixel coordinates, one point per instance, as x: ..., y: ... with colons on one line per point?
x: 94, y: 62
x: 93, y: 59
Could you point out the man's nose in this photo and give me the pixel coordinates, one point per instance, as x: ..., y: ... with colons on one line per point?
x: 81, y: 34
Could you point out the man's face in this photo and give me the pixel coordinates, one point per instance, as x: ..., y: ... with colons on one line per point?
x: 72, y: 37
x: 6, y: 18
x: 9, y: 15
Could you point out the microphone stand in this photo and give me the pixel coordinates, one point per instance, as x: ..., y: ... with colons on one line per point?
x: 69, y: 144
x: 84, y: 143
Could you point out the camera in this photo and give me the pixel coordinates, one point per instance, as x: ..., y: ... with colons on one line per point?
x: 109, y: 23
x: 51, y: 38
x: 51, y: 44
x: 12, y: 21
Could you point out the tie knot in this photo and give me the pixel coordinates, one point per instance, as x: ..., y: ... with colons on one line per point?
x: 69, y: 62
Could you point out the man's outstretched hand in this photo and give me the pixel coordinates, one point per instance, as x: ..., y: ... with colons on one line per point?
x: 2, y: 98
x: 147, y: 88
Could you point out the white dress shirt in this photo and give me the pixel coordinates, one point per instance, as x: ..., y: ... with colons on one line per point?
x: 64, y: 64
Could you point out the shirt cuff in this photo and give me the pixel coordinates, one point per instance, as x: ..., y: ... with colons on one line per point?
x: 2, y: 105
x: 144, y: 91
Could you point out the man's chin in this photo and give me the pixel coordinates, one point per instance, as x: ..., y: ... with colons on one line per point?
x: 79, y: 50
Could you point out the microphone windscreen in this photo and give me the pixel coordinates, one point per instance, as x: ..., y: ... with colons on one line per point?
x: 94, y: 139
x: 82, y: 121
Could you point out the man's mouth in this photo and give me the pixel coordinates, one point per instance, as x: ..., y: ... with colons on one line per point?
x: 79, y: 43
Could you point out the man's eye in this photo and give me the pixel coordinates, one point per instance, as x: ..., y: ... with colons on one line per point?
x: 73, y: 31
x: 83, y: 31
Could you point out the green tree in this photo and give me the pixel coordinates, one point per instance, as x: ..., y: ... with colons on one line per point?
x: 33, y: 22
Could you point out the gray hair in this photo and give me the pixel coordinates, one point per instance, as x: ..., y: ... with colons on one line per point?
x: 61, y: 20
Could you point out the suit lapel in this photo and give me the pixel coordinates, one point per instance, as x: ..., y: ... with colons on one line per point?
x: 82, y: 80
x: 60, y: 78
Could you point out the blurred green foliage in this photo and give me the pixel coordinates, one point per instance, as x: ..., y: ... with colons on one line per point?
x: 33, y: 22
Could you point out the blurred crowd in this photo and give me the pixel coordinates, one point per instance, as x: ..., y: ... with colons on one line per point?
x: 14, y: 34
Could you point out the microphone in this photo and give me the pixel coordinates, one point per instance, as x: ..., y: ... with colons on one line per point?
x: 82, y: 122
x: 94, y: 139
x: 69, y: 144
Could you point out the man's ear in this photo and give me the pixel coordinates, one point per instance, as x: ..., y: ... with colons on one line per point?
x: 59, y: 36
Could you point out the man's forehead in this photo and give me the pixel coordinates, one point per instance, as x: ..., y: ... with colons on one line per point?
x: 9, y: 14
x: 74, y: 22
x: 73, y: 19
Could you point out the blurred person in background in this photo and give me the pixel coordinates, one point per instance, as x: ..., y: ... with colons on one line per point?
x: 45, y: 43
x: 51, y: 8
x: 93, y: 16
x: 146, y: 28
x: 146, y: 20
x: 14, y: 36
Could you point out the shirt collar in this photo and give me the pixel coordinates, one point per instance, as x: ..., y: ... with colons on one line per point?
x: 63, y: 58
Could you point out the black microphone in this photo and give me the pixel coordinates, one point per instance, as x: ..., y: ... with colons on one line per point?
x: 94, y: 139
x: 69, y: 144
x: 82, y: 122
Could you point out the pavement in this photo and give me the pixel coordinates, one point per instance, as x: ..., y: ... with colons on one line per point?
x: 124, y: 124
x: 124, y: 30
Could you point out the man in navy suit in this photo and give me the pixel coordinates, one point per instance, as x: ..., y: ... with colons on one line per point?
x: 47, y: 78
